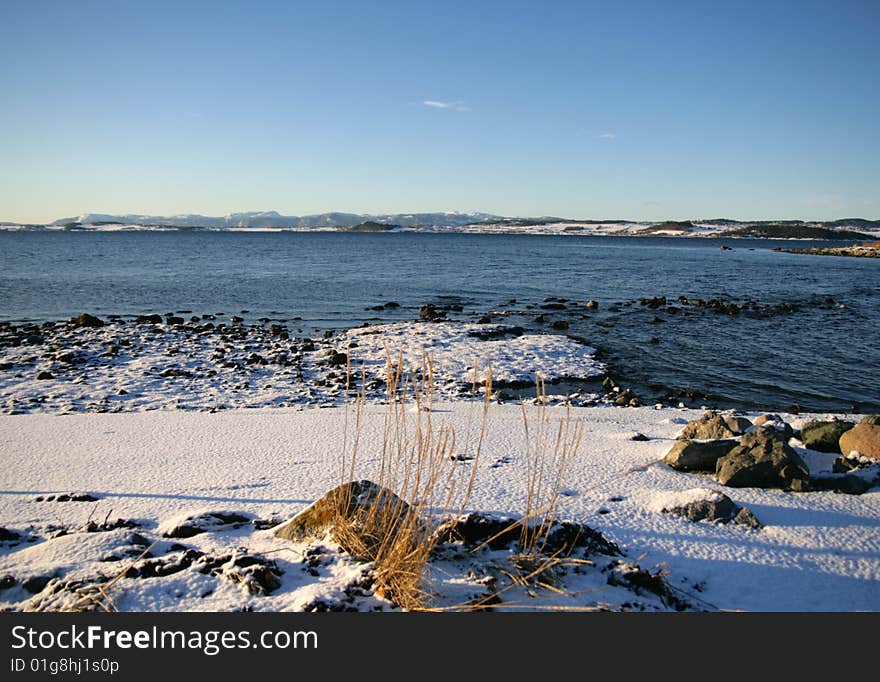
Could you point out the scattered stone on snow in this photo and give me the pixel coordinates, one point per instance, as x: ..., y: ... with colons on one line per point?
x: 694, y: 455
x: 711, y: 426
x: 763, y: 460
x: 713, y: 506
x: 207, y: 522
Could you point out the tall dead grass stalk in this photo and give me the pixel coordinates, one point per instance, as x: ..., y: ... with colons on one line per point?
x: 417, y: 480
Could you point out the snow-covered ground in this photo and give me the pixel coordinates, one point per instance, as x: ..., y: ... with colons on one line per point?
x: 153, y: 470
x: 125, y: 366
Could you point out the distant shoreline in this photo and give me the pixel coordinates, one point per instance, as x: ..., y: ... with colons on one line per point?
x: 855, y: 251
x: 626, y: 230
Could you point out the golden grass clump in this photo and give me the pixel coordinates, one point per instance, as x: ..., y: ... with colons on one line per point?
x: 416, y: 479
x: 392, y: 519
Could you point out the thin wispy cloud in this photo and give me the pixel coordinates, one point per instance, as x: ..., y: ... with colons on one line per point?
x: 440, y: 104
x: 608, y: 136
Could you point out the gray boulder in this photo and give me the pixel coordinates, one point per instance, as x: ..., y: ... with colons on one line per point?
x: 717, y: 507
x: 711, y: 426
x: 824, y: 436
x: 763, y: 460
x: 693, y: 455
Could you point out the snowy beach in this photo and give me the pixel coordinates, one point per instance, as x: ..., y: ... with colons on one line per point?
x: 154, y: 470
x: 149, y: 463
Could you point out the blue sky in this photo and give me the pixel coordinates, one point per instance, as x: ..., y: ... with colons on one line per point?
x: 640, y: 109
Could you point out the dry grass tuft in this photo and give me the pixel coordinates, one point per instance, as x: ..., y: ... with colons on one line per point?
x: 418, y: 482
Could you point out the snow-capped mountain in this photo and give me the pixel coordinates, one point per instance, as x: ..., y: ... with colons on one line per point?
x: 257, y: 219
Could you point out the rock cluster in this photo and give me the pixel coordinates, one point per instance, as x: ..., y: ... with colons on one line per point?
x: 745, y: 454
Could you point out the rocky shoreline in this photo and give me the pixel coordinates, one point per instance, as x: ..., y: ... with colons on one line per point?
x: 857, y: 251
x: 218, y: 360
x: 205, y: 362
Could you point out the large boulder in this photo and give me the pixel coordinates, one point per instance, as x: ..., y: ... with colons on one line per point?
x: 711, y: 426
x: 763, y: 460
x: 863, y: 438
x: 693, y: 455
x: 824, y: 436
x: 359, y: 515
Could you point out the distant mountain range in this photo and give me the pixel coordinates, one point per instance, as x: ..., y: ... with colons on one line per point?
x: 258, y: 219
x: 842, y: 229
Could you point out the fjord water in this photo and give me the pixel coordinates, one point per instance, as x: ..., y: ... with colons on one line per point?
x: 824, y: 356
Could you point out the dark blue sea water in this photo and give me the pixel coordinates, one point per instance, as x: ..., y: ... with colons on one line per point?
x: 824, y: 356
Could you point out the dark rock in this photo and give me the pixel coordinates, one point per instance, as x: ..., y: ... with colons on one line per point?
x: 174, y: 321
x: 86, y: 320
x: 692, y: 455
x: 640, y: 437
x: 76, y: 497
x: 824, y: 436
x: 716, y: 507
x: 265, y: 524
x: 553, y: 306
x: 745, y: 517
x: 847, y: 484
x: 486, y: 319
x: 37, y: 583
x: 7, y: 535
x: 259, y: 578
x: 763, y: 460
x: 7, y: 582
x: 45, y: 376
x: 392, y: 304
x: 473, y: 529
x: 559, y: 324
x: 338, y: 360
x: 176, y: 372
x: 148, y: 319
x: 565, y: 537
x: 639, y: 579
x: 208, y: 522
x: 430, y: 313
